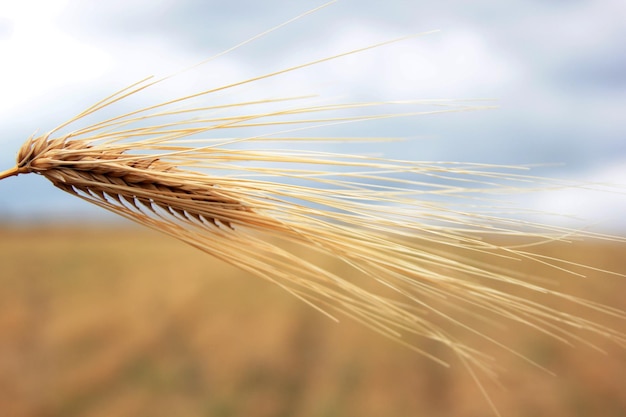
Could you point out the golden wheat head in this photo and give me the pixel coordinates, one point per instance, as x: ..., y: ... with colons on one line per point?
x: 406, y: 235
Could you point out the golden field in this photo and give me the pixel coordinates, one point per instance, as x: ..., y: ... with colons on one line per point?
x: 114, y: 321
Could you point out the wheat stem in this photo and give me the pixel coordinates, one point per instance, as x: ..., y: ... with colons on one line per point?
x: 9, y: 173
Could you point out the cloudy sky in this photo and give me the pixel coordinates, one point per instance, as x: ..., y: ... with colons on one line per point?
x: 557, y: 69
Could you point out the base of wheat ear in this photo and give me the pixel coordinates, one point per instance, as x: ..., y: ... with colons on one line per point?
x: 412, y: 239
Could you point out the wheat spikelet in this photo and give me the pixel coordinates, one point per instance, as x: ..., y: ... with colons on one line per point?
x: 404, y: 232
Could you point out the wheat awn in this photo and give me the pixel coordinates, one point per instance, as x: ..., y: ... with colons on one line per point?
x: 409, y: 227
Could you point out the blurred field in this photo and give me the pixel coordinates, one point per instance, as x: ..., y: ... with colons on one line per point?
x: 126, y: 322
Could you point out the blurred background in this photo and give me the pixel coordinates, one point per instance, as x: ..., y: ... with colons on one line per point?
x: 99, y: 318
x: 112, y: 321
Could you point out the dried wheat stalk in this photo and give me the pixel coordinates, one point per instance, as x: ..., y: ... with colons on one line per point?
x: 260, y: 210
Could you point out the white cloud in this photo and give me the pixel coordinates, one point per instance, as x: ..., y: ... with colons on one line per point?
x: 458, y: 64
x: 38, y: 56
x: 597, y: 203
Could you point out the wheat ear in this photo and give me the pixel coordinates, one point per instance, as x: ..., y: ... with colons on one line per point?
x: 411, y: 249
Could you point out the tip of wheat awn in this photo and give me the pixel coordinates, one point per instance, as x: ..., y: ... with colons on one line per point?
x: 415, y: 240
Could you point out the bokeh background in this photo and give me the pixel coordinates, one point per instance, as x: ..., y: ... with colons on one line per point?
x: 100, y: 318
x: 112, y: 321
